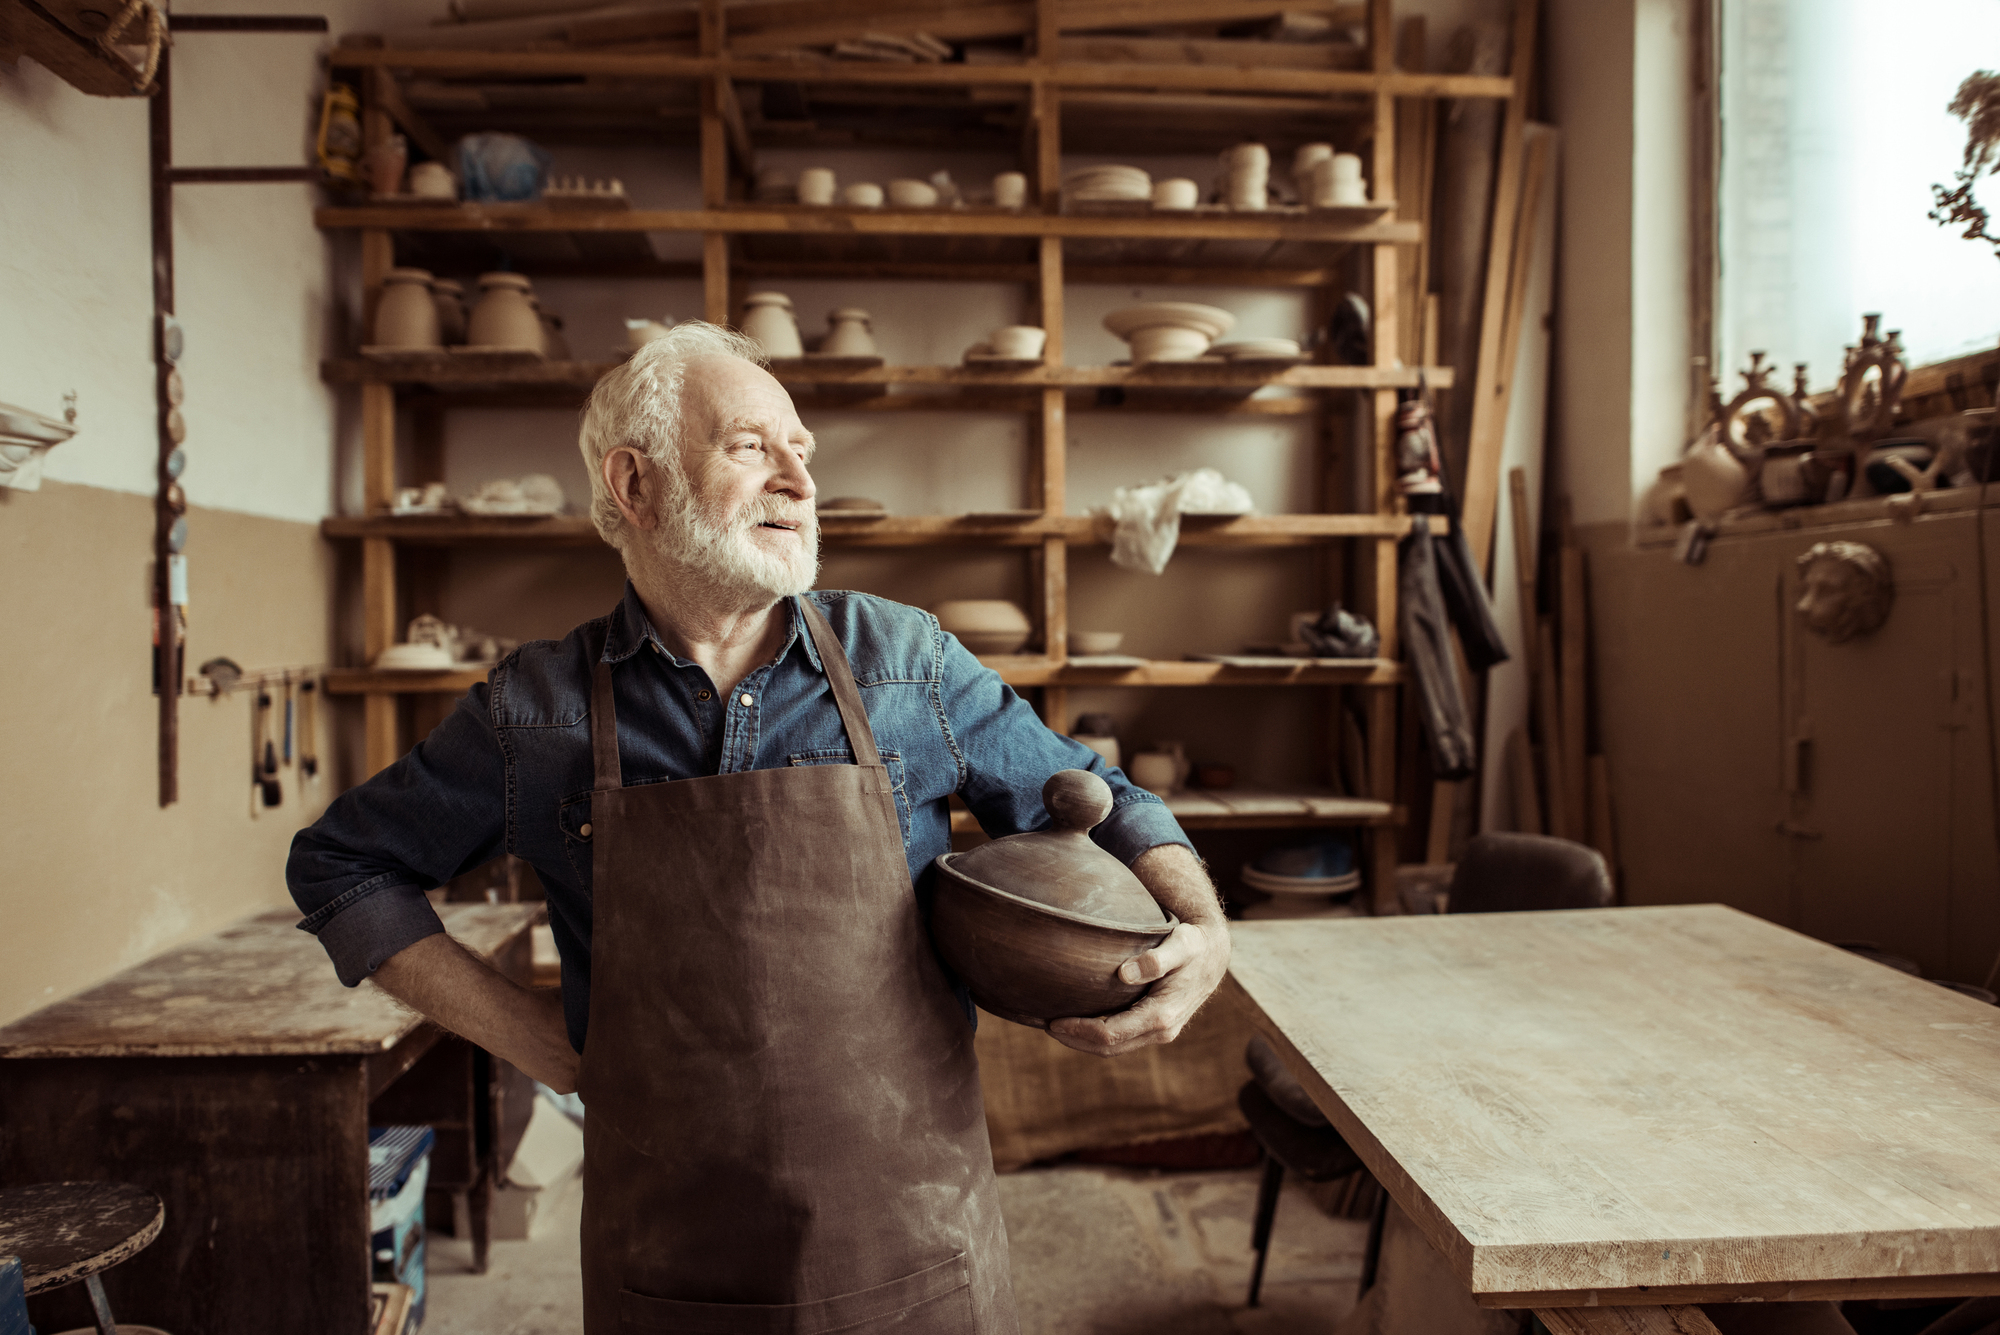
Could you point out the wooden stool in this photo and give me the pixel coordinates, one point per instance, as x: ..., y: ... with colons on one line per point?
x: 69, y: 1231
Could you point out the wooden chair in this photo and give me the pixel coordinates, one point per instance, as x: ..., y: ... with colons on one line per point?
x: 1500, y: 873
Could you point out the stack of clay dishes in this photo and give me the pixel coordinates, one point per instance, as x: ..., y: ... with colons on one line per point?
x: 1107, y: 185
x: 986, y: 625
x: 1259, y: 350
x: 1169, y: 331
x: 1326, y: 869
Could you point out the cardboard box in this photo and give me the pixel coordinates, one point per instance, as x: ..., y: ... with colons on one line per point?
x: 546, y: 1169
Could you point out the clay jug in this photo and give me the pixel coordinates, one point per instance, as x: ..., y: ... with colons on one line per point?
x: 407, y: 316
x: 767, y: 317
x: 504, y: 317
x: 848, y: 335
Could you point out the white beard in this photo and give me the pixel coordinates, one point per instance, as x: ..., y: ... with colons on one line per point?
x: 723, y: 549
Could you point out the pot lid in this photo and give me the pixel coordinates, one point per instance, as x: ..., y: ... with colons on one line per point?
x: 1060, y: 866
x: 848, y: 313
x: 407, y: 276
x: 768, y: 299
x: 517, y: 281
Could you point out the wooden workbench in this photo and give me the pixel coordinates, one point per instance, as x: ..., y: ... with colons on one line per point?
x: 236, y: 1079
x: 1648, y: 1107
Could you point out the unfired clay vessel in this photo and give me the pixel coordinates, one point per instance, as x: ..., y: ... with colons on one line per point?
x: 504, y: 317
x: 407, y: 316
x: 848, y: 334
x: 767, y: 317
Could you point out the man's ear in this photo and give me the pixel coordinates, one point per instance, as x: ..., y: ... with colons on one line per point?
x: 634, y: 483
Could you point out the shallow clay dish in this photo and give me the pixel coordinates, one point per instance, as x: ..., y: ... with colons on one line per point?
x: 1038, y: 924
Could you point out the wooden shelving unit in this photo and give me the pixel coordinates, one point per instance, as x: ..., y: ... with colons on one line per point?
x: 1040, y: 246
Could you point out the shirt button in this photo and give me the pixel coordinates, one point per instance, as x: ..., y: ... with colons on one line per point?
x: 584, y: 829
x: 701, y: 695
x: 745, y: 701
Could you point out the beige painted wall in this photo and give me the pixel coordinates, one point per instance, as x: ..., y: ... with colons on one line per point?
x: 98, y: 875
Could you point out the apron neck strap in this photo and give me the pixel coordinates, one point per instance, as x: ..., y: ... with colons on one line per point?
x: 860, y: 738
x: 604, y: 723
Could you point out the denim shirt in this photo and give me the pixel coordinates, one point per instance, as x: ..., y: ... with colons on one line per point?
x: 509, y: 770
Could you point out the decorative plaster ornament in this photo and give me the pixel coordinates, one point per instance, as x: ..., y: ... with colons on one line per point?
x: 1848, y: 590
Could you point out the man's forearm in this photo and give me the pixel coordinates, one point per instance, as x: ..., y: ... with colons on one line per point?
x: 1175, y: 877
x: 448, y: 984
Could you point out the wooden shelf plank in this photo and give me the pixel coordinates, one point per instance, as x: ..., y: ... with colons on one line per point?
x: 446, y: 371
x: 1015, y: 670
x: 894, y: 531
x: 665, y: 65
x: 1360, y: 225
x: 1246, y: 808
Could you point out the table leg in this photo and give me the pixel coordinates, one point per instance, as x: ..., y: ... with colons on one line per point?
x: 100, y: 1306
x: 1626, y: 1321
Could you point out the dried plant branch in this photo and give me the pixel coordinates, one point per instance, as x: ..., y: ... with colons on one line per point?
x: 1977, y: 103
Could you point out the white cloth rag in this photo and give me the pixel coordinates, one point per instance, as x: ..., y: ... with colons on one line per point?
x: 1148, y: 518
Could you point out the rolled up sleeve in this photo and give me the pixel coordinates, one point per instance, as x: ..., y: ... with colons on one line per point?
x: 360, y: 872
x: 1006, y: 753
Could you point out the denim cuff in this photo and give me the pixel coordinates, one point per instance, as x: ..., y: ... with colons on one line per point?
x: 361, y: 935
x: 1139, y: 822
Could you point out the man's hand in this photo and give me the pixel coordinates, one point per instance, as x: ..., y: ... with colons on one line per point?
x: 1188, y: 965
x: 444, y: 982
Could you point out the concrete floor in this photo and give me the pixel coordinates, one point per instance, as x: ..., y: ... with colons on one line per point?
x: 1097, y: 1251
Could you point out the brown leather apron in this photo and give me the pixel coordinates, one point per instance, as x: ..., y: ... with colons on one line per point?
x: 784, y: 1132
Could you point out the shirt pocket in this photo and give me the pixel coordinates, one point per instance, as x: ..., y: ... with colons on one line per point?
x: 893, y: 760
x: 573, y: 817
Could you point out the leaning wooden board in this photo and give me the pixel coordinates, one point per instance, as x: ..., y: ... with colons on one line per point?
x: 1648, y: 1105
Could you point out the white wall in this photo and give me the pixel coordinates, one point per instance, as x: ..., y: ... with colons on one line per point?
x: 252, y: 281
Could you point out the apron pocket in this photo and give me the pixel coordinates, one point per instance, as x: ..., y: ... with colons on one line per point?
x: 937, y: 1301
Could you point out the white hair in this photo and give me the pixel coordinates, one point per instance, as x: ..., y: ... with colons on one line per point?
x: 638, y: 406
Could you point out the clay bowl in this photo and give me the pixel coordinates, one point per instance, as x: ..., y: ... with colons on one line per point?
x: 986, y: 625
x: 1031, y: 963
x: 1050, y: 946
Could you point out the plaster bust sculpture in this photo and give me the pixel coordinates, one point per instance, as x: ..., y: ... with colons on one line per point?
x: 1848, y: 590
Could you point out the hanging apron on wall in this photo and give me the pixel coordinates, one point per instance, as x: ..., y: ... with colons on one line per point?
x: 784, y: 1133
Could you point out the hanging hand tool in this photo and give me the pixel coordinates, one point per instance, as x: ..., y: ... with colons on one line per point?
x: 264, y: 760
x: 289, y: 715
x: 308, y: 741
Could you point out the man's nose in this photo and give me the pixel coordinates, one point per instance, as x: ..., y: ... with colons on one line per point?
x: 793, y: 479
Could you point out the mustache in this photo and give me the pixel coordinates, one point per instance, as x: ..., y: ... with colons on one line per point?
x: 777, y: 510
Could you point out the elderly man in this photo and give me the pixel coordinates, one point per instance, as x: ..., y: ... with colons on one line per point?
x: 729, y: 786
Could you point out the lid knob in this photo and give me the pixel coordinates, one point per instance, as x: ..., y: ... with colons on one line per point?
x: 1077, y: 799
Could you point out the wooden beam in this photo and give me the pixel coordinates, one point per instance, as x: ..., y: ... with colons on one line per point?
x: 643, y: 65
x: 389, y: 95
x: 1489, y: 422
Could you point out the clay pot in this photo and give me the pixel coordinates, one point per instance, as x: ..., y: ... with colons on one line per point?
x: 767, y: 318
x: 1167, y: 343
x: 407, y: 314
x: 817, y: 186
x: 1038, y: 924
x: 504, y: 317
x: 448, y: 295
x: 1716, y: 480
x: 848, y: 335
x: 433, y: 180
x: 986, y: 625
x: 1010, y: 190
x: 384, y: 164
x: 1664, y: 504
x: 1153, y: 771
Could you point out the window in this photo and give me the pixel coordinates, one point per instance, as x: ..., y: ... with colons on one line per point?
x: 1833, y: 132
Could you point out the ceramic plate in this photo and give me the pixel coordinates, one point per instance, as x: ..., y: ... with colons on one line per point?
x: 1118, y: 661
x: 1210, y: 320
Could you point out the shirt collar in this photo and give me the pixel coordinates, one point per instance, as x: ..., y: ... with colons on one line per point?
x: 631, y: 630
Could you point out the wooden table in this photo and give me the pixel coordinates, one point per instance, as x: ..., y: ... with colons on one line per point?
x: 1606, y: 1114
x: 236, y: 1079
